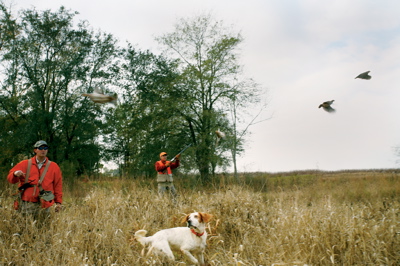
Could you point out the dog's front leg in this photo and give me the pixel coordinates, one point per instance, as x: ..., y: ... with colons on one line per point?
x: 190, y: 256
x: 201, y: 258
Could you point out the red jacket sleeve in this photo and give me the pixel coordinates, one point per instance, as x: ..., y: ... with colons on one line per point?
x: 161, y: 167
x: 22, y: 166
x: 174, y: 164
x: 57, y: 183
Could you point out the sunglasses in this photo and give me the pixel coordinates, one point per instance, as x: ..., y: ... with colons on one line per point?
x: 43, y: 148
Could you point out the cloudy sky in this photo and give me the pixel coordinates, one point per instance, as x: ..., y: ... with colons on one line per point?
x: 303, y: 52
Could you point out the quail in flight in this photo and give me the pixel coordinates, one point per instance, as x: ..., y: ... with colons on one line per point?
x: 327, y: 106
x: 99, y: 97
x: 364, y: 75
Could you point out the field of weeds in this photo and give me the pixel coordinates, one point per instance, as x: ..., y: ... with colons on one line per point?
x: 299, y: 218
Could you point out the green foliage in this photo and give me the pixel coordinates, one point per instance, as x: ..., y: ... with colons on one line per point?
x: 208, y: 61
x: 144, y: 123
x: 48, y: 61
x: 47, y: 64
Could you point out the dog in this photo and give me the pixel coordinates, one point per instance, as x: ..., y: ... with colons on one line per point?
x: 191, y: 240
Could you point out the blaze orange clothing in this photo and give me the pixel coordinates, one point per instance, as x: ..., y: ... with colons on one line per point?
x: 162, y: 169
x: 52, y: 181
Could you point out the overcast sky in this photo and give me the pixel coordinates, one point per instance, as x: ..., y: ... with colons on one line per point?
x: 304, y: 53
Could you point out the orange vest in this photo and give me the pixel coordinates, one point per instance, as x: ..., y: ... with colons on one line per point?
x: 52, y: 181
x: 165, y: 173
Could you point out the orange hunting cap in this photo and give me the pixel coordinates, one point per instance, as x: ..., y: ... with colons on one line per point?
x: 163, y: 153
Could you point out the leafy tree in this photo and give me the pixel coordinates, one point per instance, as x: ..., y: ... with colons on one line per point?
x: 208, y: 61
x: 47, y: 63
x: 10, y: 110
x: 144, y: 124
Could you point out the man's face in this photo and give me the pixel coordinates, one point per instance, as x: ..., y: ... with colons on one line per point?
x: 42, y: 151
x: 164, y: 157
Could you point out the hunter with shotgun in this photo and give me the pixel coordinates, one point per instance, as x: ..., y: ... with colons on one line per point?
x: 164, y: 172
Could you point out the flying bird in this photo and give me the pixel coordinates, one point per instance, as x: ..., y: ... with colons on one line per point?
x: 99, y: 97
x: 220, y: 135
x: 327, y: 106
x: 364, y: 75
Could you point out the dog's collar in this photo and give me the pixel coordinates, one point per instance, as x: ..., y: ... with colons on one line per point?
x: 197, y: 234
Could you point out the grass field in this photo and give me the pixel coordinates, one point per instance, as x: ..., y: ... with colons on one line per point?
x: 297, y: 218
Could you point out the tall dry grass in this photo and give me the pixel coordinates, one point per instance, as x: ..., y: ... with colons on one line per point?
x: 314, y: 218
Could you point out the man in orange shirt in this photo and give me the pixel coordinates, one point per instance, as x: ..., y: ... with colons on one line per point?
x: 164, y: 174
x: 43, y: 178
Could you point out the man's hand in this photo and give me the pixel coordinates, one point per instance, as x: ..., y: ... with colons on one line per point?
x: 19, y: 173
x: 177, y: 157
x: 167, y: 164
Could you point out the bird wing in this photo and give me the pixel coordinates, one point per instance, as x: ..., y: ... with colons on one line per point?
x: 220, y: 134
x: 329, y: 109
x: 364, y: 75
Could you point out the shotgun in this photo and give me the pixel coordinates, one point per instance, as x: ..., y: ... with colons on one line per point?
x: 184, y: 149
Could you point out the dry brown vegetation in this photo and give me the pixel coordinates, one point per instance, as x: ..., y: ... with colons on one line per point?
x: 298, y: 218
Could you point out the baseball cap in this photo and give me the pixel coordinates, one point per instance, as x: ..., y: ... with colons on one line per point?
x: 40, y: 143
x: 163, y: 153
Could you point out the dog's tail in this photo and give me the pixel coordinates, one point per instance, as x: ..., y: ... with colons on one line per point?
x: 141, y: 237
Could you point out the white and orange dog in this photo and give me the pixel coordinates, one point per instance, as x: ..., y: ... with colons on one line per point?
x: 191, y: 240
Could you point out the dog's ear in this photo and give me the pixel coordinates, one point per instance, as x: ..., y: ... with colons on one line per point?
x: 205, y: 217
x: 185, y: 219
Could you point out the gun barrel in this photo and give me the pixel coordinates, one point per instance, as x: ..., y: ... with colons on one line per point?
x: 184, y: 149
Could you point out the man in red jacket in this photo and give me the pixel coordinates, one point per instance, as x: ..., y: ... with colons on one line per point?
x: 31, y: 187
x: 164, y: 173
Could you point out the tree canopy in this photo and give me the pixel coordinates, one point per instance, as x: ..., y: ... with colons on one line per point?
x: 211, y: 82
x: 164, y: 101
